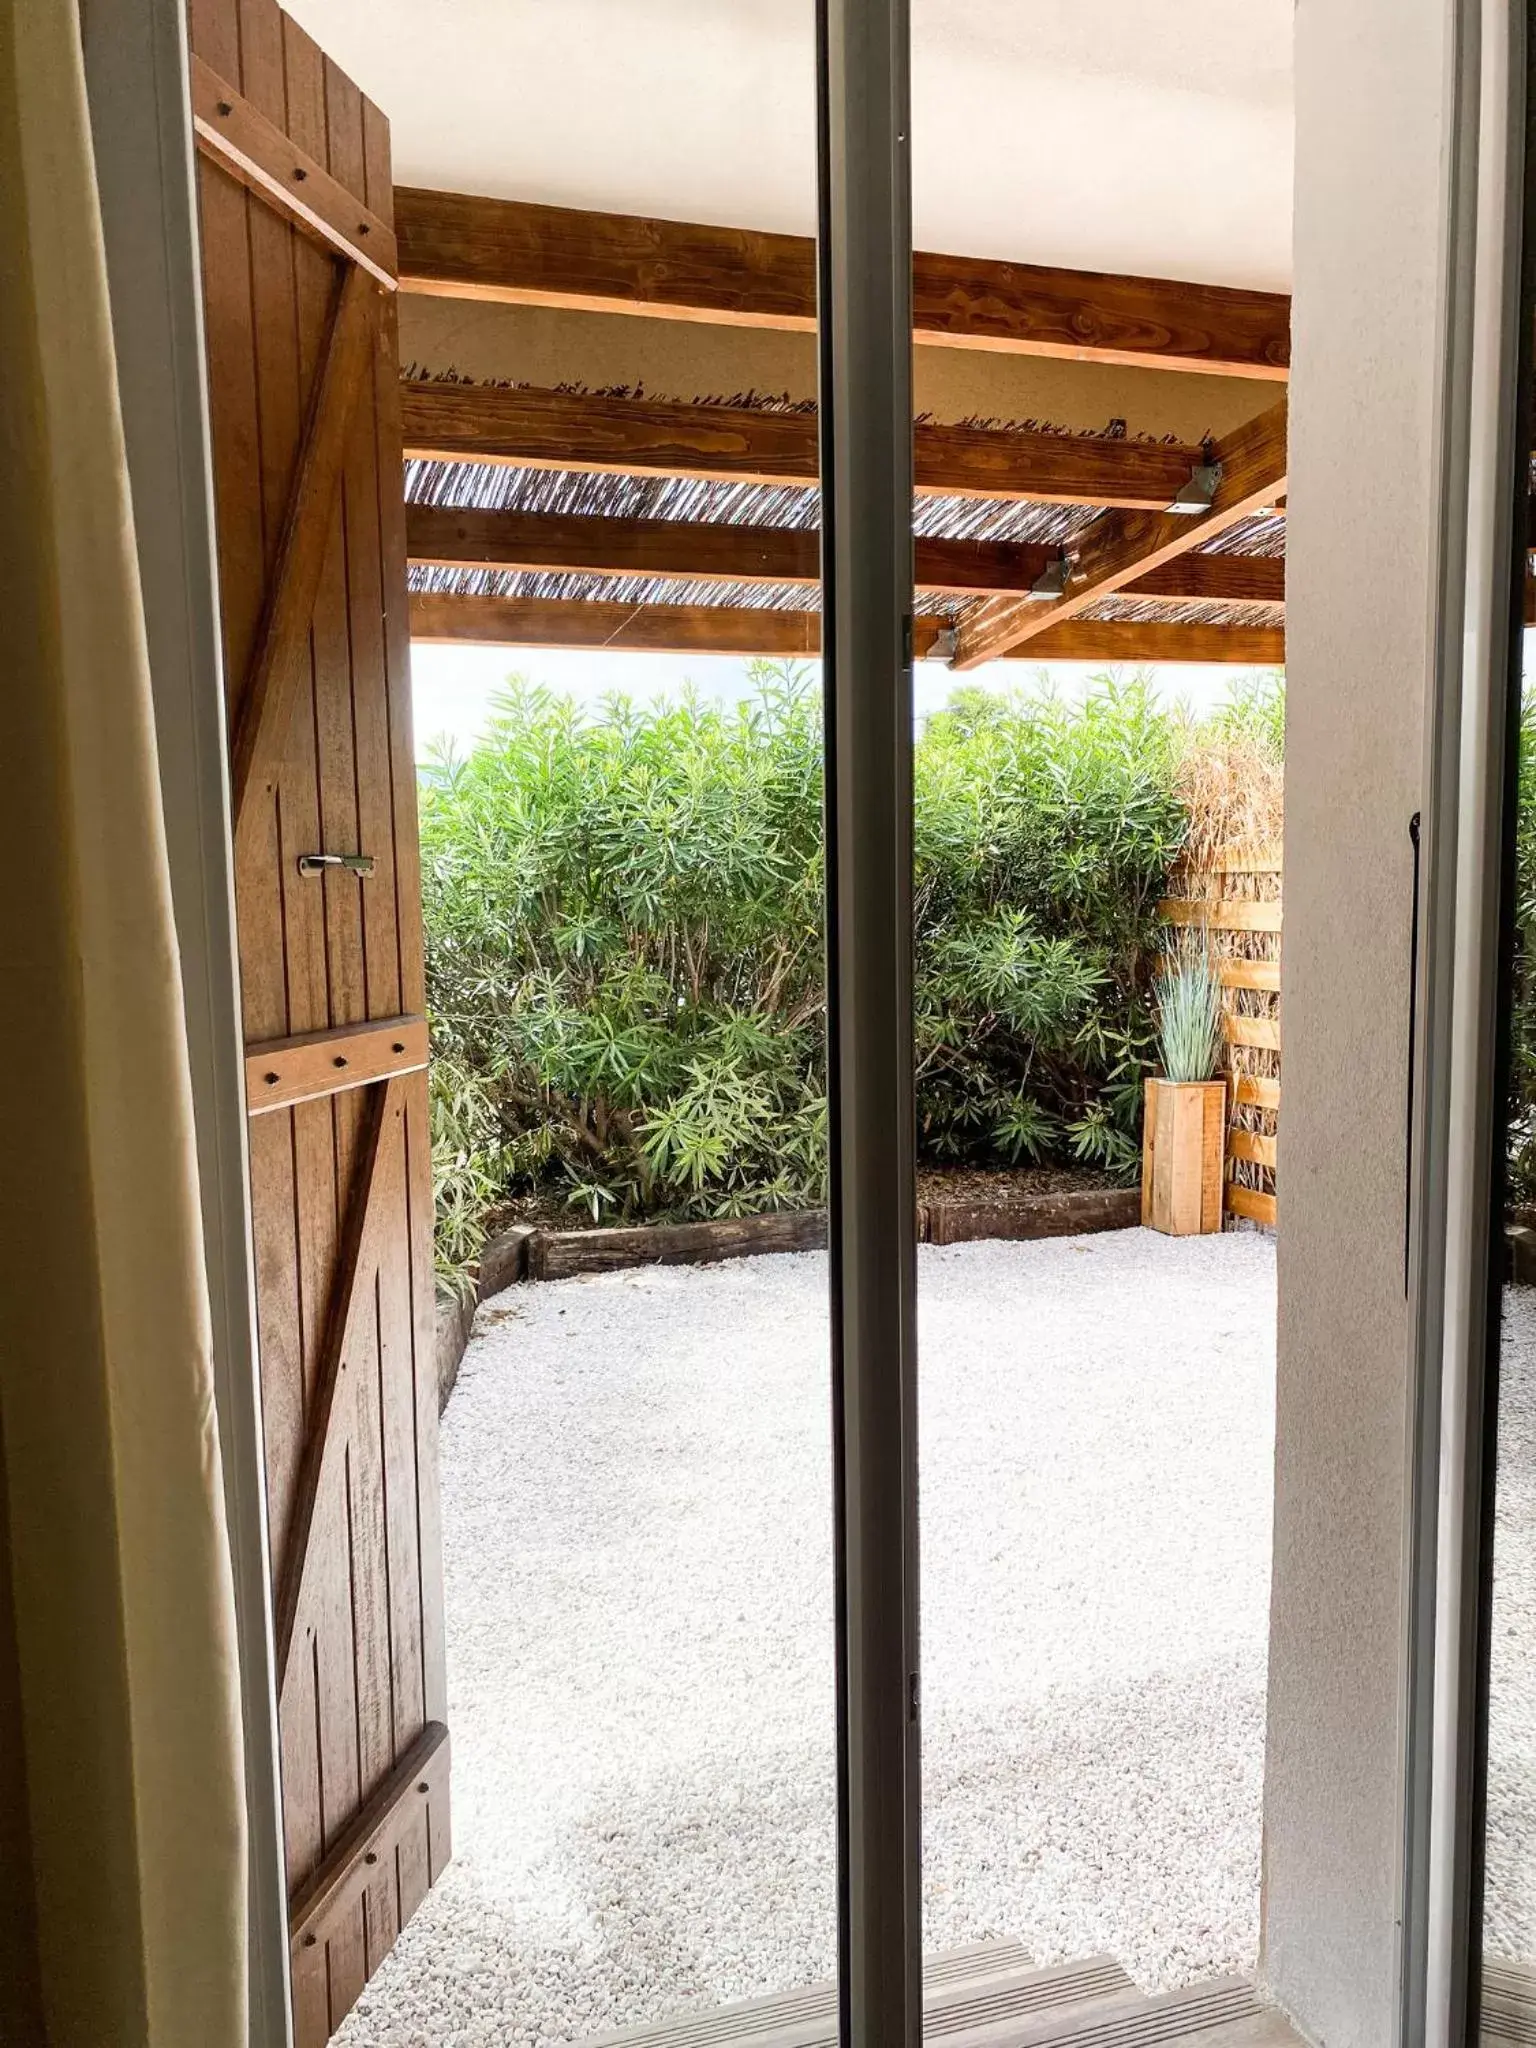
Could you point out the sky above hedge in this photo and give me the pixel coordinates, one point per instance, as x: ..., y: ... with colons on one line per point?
x: 453, y: 686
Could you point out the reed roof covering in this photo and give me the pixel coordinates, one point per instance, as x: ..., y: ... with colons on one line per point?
x: 499, y: 486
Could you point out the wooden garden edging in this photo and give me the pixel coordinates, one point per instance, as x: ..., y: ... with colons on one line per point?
x: 534, y: 1253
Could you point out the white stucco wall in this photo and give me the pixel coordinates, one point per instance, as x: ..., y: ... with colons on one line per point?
x: 1370, y: 78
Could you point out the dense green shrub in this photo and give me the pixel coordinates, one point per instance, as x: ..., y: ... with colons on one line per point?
x: 625, y: 948
x: 625, y: 958
x: 1043, y: 833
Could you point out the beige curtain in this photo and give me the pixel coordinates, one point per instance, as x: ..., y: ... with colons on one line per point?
x: 122, y: 1799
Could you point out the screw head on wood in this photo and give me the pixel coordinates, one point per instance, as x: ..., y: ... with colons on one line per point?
x: 272, y: 1079
x: 423, y: 1786
x: 372, y: 1856
x: 397, y: 1048
x: 340, y: 1060
x: 299, y: 174
x: 225, y: 109
x: 309, y: 1941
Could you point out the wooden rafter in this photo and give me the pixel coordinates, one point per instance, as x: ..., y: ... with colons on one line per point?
x: 457, y: 245
x: 469, y: 538
x: 1142, y: 642
x: 257, y: 152
x: 1121, y: 547
x: 276, y: 671
x: 374, y: 1193
x: 1214, y: 579
x: 711, y: 629
x: 584, y: 431
x: 663, y: 628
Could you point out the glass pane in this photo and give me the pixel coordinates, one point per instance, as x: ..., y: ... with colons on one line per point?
x: 619, y: 748
x: 1509, y: 1905
x: 1099, y: 789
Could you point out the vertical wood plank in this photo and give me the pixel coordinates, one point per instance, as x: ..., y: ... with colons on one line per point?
x: 410, y: 931
x: 289, y: 323
x: 346, y: 1957
x: 376, y: 513
x: 418, y: 1164
x: 311, y: 1998
x: 299, y: 1739
x: 397, y: 648
x: 369, y: 572
x: 214, y: 33
x: 397, y: 1390
x: 413, y: 1868
x: 351, y: 697
x: 1213, y: 1142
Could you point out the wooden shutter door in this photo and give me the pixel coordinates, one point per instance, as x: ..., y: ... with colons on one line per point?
x: 298, y: 263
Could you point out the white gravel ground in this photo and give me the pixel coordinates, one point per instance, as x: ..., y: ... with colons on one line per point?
x: 637, y: 1514
x: 1511, y: 1896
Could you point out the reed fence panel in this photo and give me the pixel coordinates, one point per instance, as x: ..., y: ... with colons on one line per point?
x: 1235, y: 898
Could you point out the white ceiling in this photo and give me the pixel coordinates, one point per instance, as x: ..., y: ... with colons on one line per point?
x: 1149, y: 136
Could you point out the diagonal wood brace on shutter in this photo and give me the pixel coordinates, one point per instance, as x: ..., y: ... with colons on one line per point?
x: 374, y: 1193
x: 277, y: 665
x: 333, y: 1888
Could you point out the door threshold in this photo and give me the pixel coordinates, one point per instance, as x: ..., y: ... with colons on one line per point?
x: 989, y: 1995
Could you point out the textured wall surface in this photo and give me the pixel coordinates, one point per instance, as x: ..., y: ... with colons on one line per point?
x: 1370, y: 88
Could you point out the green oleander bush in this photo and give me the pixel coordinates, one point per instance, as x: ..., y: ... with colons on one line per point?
x: 625, y: 947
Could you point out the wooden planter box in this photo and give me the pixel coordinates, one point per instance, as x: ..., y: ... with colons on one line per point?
x: 1182, y: 1155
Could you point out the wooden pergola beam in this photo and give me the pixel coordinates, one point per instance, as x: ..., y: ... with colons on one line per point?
x: 744, y: 630
x: 1121, y: 547
x: 534, y: 428
x: 439, y: 619
x: 447, y: 536
x: 456, y: 245
x: 1142, y: 643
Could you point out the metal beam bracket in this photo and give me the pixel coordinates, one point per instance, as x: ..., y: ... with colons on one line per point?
x: 1199, y: 494
x: 1053, y: 580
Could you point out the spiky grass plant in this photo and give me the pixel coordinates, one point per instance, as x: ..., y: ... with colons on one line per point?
x: 1189, y: 1008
